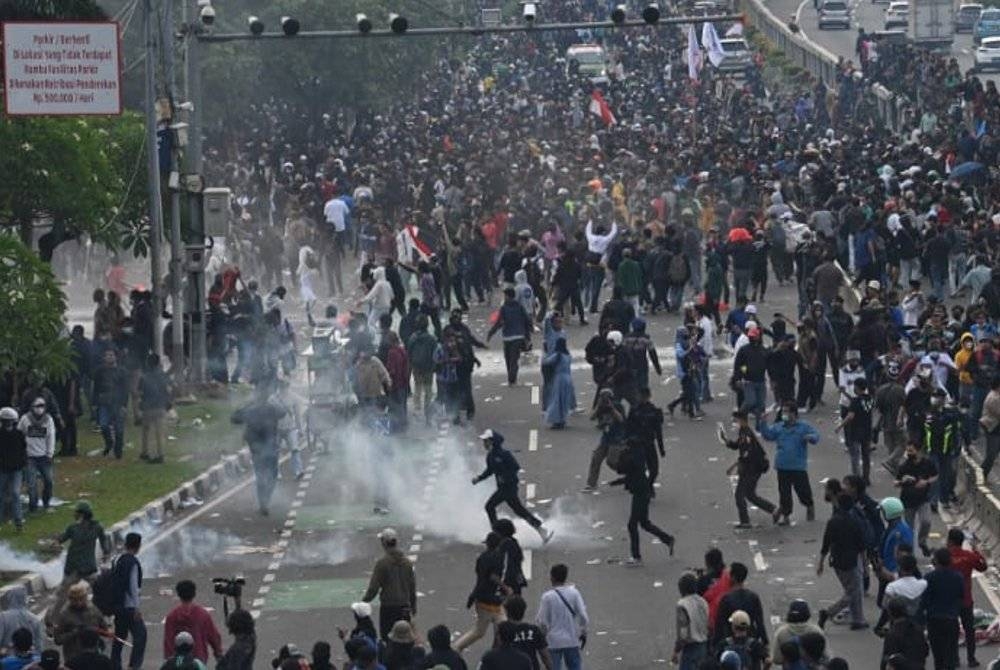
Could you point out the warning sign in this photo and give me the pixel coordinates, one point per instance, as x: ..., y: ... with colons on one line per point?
x: 61, y: 68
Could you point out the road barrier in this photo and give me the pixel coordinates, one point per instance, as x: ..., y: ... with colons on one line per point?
x: 821, y: 63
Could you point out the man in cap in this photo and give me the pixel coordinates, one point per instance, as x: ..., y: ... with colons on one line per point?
x: 796, y: 624
x: 888, y: 402
x: 394, y: 582
x: 744, y: 643
x: 488, y: 594
x: 503, y: 467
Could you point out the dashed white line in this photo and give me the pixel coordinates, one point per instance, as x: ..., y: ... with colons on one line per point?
x: 413, y: 558
x: 526, y: 565
x: 535, y: 395
x: 268, y: 578
x: 258, y: 602
x: 276, y: 565
x: 414, y: 548
x: 417, y: 537
x: 533, y: 439
x: 529, y: 491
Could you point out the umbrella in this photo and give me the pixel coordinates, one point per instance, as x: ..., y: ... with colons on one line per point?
x: 966, y: 170
x: 740, y: 235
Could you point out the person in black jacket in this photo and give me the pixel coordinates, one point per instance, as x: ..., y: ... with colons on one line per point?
x: 502, y: 465
x: 566, y: 282
x: 13, y: 461
x: 843, y: 542
x: 515, y: 326
x: 942, y: 605
x: 751, y: 463
x: 636, y: 482
x: 510, y: 551
x: 127, y: 582
x: 259, y: 419
x: 904, y: 638
x: 111, y: 388
x: 645, y: 425
x: 739, y: 598
x: 441, y: 653
x: 488, y: 593
x: 505, y: 656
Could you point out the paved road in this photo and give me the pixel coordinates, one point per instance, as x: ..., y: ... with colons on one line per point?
x: 867, y: 15
x: 306, y: 563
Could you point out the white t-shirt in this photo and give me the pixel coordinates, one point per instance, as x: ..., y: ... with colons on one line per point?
x: 335, y: 211
x: 562, y: 627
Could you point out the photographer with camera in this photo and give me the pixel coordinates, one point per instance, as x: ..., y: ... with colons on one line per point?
x: 192, y: 618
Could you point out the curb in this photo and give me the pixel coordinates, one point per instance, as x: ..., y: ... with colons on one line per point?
x: 159, y: 511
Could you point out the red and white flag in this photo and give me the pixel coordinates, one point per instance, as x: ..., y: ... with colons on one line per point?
x: 599, y: 107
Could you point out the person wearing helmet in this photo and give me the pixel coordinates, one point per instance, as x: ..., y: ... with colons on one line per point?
x: 897, y: 534
x: 13, y: 461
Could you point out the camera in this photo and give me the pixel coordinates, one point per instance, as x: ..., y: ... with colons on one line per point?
x: 207, y: 15
x: 229, y: 587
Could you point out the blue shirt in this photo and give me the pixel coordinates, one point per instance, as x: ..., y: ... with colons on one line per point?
x: 18, y: 662
x: 792, y: 442
x: 896, y: 534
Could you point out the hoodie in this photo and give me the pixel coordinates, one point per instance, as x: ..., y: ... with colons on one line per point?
x: 194, y: 619
x: 393, y: 581
x: 15, y: 614
x: 39, y: 433
x: 523, y: 291
x: 380, y: 296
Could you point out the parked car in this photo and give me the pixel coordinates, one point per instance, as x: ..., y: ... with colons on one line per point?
x: 987, y: 25
x: 834, y: 13
x: 897, y: 15
x: 987, y: 56
x: 737, y: 55
x: 965, y: 17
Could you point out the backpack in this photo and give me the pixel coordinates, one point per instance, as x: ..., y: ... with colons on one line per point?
x: 740, y: 649
x: 678, y: 271
x: 105, y: 595
x: 870, y: 533
x: 617, y: 458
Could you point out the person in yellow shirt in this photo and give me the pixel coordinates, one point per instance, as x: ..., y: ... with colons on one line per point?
x: 966, y: 349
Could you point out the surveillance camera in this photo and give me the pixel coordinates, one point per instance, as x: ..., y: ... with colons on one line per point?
x: 256, y: 25
x: 364, y: 24
x: 207, y: 15
x: 289, y: 26
x: 618, y: 14
x: 529, y: 12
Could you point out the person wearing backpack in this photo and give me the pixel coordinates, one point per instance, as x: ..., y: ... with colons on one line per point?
x: 751, y: 650
x: 867, y: 512
x: 843, y: 544
x: 751, y: 464
x: 636, y: 481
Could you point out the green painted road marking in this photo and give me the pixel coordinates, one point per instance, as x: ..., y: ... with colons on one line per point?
x: 342, y: 517
x: 315, y: 594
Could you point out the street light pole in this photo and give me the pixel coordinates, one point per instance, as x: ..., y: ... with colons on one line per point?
x: 193, y: 166
x: 176, y: 244
x: 153, y: 168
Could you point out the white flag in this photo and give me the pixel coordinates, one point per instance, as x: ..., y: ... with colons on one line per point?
x: 693, y: 54
x: 735, y: 30
x: 710, y: 40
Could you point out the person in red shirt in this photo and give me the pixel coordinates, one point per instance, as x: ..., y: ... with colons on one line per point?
x: 714, y: 583
x: 965, y: 561
x: 192, y: 618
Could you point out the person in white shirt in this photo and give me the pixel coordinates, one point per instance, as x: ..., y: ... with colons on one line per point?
x: 598, y: 243
x: 851, y: 371
x: 907, y: 587
x: 562, y: 615
x: 335, y: 212
x: 379, y: 298
x: 913, y: 305
x: 40, y: 435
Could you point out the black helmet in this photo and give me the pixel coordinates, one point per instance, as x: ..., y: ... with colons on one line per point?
x: 798, y: 611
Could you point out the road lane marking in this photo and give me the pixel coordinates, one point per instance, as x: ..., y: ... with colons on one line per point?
x: 414, y: 548
x: 268, y: 578
x: 526, y: 566
x: 529, y: 492
x: 535, y: 395
x: 533, y: 440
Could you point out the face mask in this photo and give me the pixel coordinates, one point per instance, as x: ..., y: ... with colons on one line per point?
x: 38, y: 411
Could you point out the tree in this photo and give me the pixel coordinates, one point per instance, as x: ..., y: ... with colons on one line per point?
x: 31, y: 308
x: 80, y: 174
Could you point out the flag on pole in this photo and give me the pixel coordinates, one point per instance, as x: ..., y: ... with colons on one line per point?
x: 599, y: 107
x: 693, y: 54
x: 735, y: 30
x: 710, y: 40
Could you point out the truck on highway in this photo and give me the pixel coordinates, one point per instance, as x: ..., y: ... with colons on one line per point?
x: 932, y: 23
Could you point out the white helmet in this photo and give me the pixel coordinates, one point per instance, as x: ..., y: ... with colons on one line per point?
x: 8, y: 414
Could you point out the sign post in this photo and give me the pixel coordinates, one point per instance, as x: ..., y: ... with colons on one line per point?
x: 62, y: 68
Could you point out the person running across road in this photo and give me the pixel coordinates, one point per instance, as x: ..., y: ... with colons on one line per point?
x: 645, y: 425
x: 502, y: 465
x: 965, y: 562
x: 915, y: 478
x: 259, y: 419
x: 791, y: 461
x: 843, y: 543
x: 395, y: 584
x: 636, y: 481
x: 512, y: 556
x: 751, y: 463
x: 515, y: 325
x: 488, y: 593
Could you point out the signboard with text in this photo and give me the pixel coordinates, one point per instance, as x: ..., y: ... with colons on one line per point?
x: 62, y: 68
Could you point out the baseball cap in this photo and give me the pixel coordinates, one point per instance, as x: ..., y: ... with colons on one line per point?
x: 751, y: 309
x: 486, y: 434
x: 361, y: 609
x: 739, y: 618
x: 875, y: 285
x: 388, y: 534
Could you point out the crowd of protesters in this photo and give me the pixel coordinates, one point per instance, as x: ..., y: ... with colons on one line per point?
x: 512, y: 183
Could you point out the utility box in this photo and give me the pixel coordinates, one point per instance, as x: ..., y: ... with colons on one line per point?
x: 491, y: 17
x: 216, y: 211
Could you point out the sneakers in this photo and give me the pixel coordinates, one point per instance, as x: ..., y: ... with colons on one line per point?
x: 631, y: 562
x: 671, y: 541
x: 545, y: 534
